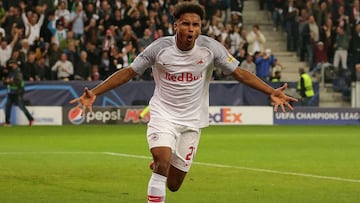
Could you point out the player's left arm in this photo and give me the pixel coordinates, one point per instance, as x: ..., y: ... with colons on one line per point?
x: 277, y: 96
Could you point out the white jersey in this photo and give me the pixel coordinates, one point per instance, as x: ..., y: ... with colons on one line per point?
x: 182, y: 78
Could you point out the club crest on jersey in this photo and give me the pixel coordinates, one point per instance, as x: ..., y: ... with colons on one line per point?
x: 200, y: 62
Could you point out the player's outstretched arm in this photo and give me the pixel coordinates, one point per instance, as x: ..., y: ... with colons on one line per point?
x: 277, y: 96
x: 118, y: 78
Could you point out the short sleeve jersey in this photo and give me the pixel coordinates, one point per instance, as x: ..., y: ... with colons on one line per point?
x: 182, y: 78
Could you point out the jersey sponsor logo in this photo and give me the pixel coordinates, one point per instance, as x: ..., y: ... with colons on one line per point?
x: 182, y: 77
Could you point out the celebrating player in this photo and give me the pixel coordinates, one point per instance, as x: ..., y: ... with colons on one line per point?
x: 182, y: 68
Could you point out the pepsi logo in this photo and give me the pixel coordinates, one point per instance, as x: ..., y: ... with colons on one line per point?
x: 75, y: 116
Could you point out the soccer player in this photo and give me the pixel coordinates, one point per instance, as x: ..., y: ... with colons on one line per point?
x: 182, y: 68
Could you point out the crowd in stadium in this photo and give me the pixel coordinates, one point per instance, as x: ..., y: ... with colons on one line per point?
x: 91, y: 39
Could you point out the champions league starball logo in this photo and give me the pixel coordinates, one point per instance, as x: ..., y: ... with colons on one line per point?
x: 75, y: 116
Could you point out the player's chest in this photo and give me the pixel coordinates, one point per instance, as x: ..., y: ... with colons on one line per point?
x: 195, y: 62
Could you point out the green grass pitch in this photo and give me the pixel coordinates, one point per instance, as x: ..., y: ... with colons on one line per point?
x: 235, y: 164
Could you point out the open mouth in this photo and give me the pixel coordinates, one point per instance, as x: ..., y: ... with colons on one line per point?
x: 190, y: 38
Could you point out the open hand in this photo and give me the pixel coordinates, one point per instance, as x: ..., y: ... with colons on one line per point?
x: 86, y: 100
x: 279, y: 98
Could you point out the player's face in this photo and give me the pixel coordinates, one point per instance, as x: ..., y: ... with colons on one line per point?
x: 187, y: 28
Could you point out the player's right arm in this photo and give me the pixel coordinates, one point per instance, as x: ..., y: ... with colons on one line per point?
x: 115, y: 80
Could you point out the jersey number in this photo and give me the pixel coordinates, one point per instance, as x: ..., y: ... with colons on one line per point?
x: 189, y: 155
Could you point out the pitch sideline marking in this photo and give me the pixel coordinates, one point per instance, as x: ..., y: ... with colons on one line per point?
x: 247, y: 168
x: 203, y: 164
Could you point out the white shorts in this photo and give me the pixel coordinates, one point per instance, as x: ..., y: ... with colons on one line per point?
x: 182, y: 140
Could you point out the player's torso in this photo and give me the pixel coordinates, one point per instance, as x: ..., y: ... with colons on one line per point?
x: 183, y: 74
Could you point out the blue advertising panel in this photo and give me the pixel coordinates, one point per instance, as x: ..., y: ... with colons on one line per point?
x: 59, y: 93
x: 318, y: 116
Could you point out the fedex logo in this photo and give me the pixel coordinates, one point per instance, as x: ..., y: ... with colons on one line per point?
x: 183, y: 77
x: 225, y: 116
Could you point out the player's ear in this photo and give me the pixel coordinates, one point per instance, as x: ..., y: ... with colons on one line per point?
x: 175, y: 27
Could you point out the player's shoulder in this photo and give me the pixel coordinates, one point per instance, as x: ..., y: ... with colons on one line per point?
x: 164, y: 41
x: 206, y: 41
x: 203, y: 39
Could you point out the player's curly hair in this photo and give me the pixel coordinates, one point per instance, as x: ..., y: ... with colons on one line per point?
x: 188, y: 7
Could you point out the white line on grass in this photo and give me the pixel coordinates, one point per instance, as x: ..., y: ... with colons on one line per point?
x: 200, y: 163
x: 248, y: 169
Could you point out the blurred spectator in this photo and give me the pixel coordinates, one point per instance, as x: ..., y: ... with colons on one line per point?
x: 302, y: 21
x: 116, y: 61
x: 248, y: 64
x: 104, y: 68
x: 341, y: 19
x: 109, y: 41
x: 71, y: 52
x: 355, y: 13
x: 11, y: 19
x: 225, y: 36
x: 305, y: 88
x: 128, y: 54
x: 277, y: 13
x: 145, y: 40
x: 166, y: 26
x: 256, y: 40
x: 32, y: 23
x: 354, y: 51
x: 357, y: 67
x: 276, y: 77
x: 214, y: 29
x: 128, y: 36
x: 237, y: 7
x: 43, y: 71
x: 63, y: 68
x: 95, y: 74
x: 328, y: 32
x: 322, y: 14
x: 6, y: 49
x: 83, y: 69
x: 53, y: 55
x: 62, y: 12
x: 28, y: 68
x: 276, y: 70
x: 77, y: 20
x: 2, y: 33
x: 341, y: 48
x: 263, y: 62
x: 310, y: 8
x: 236, y: 41
x: 15, y: 83
x: 60, y: 33
x: 117, y: 19
x: 321, y: 56
x: 91, y: 32
x: 241, y: 55
x: 211, y: 6
x: 94, y: 54
x: 15, y: 56
x: 290, y: 14
x: 51, y: 26
x: 236, y: 19
x: 310, y: 35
